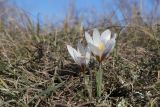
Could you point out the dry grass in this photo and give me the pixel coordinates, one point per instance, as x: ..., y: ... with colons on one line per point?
x: 37, y: 71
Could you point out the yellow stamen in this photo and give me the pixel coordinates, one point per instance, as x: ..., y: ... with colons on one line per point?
x: 101, y: 46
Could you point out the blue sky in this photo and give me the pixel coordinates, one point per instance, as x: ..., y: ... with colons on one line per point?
x: 57, y: 9
x: 54, y: 8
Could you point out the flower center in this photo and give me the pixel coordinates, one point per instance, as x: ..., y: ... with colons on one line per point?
x: 101, y: 46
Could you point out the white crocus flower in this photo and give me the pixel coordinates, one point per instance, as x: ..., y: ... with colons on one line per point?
x: 101, y: 45
x: 81, y: 56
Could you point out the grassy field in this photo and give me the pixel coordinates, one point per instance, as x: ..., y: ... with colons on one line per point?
x: 36, y: 69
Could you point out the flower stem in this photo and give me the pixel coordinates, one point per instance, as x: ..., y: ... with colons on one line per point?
x: 99, y: 75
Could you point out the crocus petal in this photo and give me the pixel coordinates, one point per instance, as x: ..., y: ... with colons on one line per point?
x: 109, y: 47
x: 96, y: 36
x: 88, y: 38
x: 105, y: 36
x: 74, y: 54
x: 114, y: 36
x: 80, y: 48
x: 87, y: 55
x: 81, y: 60
x: 70, y: 50
x: 96, y: 51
